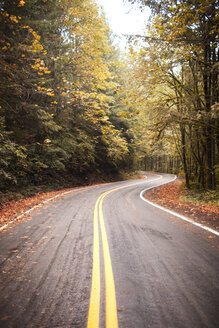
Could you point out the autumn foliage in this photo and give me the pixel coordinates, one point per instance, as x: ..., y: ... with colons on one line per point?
x: 176, y: 68
x: 58, y: 84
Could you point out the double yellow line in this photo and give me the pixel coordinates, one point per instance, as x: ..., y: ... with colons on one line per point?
x: 94, y: 308
x: 110, y: 293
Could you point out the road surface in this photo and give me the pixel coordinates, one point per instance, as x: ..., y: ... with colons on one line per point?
x: 102, y: 257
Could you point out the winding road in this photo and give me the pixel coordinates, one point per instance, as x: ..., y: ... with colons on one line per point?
x: 102, y: 257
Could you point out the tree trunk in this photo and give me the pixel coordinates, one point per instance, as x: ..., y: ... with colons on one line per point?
x: 209, y: 79
x: 183, y: 144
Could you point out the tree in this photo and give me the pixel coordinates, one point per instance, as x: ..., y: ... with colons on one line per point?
x: 184, y: 34
x: 57, y: 91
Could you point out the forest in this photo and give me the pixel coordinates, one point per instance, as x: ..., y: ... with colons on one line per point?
x: 75, y: 109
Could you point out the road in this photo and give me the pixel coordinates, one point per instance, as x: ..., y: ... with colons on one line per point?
x: 102, y: 257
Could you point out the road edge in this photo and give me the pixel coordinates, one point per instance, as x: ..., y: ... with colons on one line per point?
x: 42, y: 203
x: 182, y: 217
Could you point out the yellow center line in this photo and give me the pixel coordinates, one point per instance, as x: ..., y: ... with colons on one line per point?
x: 111, y: 308
x: 110, y: 292
x: 94, y: 308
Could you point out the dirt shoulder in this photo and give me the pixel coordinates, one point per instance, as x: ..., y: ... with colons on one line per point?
x: 169, y: 195
x: 11, y: 210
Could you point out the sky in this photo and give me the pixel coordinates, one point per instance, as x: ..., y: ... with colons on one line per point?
x: 124, y: 18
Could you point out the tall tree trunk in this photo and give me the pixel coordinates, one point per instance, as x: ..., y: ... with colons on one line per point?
x: 183, y: 144
x: 210, y: 82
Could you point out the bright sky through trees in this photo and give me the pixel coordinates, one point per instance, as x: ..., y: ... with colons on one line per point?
x: 124, y: 18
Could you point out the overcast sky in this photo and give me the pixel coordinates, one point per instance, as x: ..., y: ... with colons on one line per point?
x: 124, y: 18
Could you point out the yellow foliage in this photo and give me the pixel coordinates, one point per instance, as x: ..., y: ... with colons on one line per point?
x: 13, y: 19
x: 47, y: 141
x: 21, y: 3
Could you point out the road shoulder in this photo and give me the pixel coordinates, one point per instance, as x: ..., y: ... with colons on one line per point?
x: 168, y: 196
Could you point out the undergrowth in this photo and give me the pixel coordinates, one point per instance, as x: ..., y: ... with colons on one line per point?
x: 201, y: 196
x: 31, y: 190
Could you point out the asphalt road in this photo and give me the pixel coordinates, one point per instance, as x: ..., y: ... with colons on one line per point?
x: 148, y: 268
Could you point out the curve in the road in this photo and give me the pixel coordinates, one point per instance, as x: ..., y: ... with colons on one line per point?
x: 202, y: 226
x: 165, y: 270
x: 110, y: 293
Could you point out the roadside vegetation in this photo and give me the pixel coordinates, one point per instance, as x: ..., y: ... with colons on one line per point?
x: 177, y: 73
x: 201, y: 196
x: 59, y: 104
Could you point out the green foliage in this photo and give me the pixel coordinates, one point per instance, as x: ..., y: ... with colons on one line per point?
x: 177, y: 79
x: 117, y: 149
x: 198, y: 196
x: 58, y: 93
x: 12, y: 159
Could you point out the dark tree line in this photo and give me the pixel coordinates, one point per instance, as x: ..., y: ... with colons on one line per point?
x: 57, y: 89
